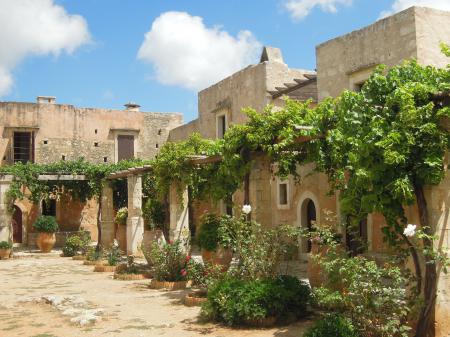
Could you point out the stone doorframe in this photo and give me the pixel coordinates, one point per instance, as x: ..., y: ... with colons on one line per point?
x: 302, y: 218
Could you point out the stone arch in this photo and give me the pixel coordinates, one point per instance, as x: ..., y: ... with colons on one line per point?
x: 307, y: 208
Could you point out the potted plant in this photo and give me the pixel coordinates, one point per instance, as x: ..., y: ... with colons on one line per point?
x: 112, y: 259
x: 131, y: 271
x: 154, y: 215
x: 121, y: 221
x: 170, y: 266
x: 214, y: 250
x: 46, y: 226
x: 5, y: 249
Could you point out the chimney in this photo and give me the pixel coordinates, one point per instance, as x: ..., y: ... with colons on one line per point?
x: 131, y: 106
x: 46, y: 99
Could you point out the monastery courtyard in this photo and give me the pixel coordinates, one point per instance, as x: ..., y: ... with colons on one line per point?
x: 54, y: 297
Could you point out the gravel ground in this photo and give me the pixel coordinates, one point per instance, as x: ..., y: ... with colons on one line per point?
x: 59, y: 297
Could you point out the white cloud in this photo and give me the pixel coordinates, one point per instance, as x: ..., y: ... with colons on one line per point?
x: 186, y: 53
x: 35, y: 27
x: 299, y: 9
x: 400, y: 5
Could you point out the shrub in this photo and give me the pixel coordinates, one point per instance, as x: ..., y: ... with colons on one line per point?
x: 93, y: 254
x: 121, y: 216
x: 259, y: 250
x: 76, y: 244
x: 113, y: 254
x: 332, y: 325
x: 169, y: 261
x: 154, y: 213
x: 203, y: 275
x: 46, y: 224
x: 239, y: 302
x: 373, y: 297
x: 5, y: 245
x: 208, y: 233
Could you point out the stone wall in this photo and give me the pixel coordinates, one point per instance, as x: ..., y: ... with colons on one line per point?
x: 65, y: 130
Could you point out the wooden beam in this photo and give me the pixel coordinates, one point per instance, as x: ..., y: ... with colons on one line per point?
x: 203, y: 160
x: 62, y: 177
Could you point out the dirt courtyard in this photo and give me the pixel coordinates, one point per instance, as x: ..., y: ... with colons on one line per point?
x: 123, y: 308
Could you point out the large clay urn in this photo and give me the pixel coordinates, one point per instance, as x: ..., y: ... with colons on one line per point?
x: 222, y: 257
x: 315, y: 272
x: 46, y: 241
x: 5, y: 253
x: 151, y: 236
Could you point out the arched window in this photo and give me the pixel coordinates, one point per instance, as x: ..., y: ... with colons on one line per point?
x: 310, y: 219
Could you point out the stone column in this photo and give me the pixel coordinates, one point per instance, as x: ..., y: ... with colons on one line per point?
x: 135, y: 222
x: 179, y: 216
x: 5, y: 217
x: 107, y: 217
x: 260, y: 190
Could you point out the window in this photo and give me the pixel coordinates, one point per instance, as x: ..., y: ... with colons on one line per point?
x: 221, y: 125
x: 125, y: 147
x: 358, y: 86
x: 23, y: 147
x: 283, y: 194
x: 49, y: 207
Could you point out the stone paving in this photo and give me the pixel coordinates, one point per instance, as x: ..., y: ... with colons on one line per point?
x: 51, y: 296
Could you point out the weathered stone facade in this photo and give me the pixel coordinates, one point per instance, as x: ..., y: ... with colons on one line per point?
x: 66, y: 132
x: 343, y: 63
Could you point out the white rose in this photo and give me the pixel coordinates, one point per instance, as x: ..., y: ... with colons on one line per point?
x: 410, y: 230
x: 246, y: 209
x: 116, y: 243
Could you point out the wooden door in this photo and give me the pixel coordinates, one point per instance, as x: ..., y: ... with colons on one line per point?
x: 125, y: 147
x: 17, y: 225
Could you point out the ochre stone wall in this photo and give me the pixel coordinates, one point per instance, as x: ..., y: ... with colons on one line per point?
x: 74, y: 132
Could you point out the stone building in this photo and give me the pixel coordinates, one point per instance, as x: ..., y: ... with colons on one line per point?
x: 343, y: 63
x: 47, y: 132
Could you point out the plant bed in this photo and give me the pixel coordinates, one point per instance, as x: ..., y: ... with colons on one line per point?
x: 131, y: 277
x: 261, y: 303
x: 177, y: 285
x: 94, y: 263
x: 104, y: 269
x: 79, y: 258
x: 195, y: 298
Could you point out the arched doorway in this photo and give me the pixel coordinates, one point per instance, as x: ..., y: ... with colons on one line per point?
x: 307, y: 214
x: 17, y: 225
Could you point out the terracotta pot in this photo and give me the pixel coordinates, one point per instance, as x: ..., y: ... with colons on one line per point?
x: 195, y: 298
x: 221, y: 257
x: 46, y: 241
x: 121, y: 236
x: 150, y: 237
x: 168, y: 285
x: 5, y: 253
x: 104, y: 269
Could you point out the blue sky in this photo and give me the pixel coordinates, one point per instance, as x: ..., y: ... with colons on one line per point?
x: 103, y: 70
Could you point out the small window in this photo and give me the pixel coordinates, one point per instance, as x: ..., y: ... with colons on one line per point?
x: 96, y: 144
x: 221, y: 125
x: 105, y: 159
x: 95, y: 131
x: 283, y: 194
x: 159, y: 132
x: 49, y: 207
x: 45, y: 142
x: 63, y: 157
x: 157, y: 145
x: 358, y: 86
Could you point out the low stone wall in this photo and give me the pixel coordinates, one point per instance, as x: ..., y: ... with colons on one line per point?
x: 61, y: 238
